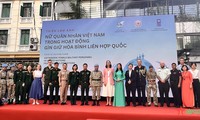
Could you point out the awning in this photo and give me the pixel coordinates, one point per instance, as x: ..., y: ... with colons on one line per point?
x: 34, y: 54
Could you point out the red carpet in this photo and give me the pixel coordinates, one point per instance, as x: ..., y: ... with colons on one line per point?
x: 68, y: 112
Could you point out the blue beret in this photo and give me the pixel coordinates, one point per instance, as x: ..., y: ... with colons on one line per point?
x: 12, y: 65
x: 4, y: 65
x: 96, y: 65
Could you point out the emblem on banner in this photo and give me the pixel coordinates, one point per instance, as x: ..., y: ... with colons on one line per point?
x: 138, y: 23
x: 158, y: 22
x: 120, y: 24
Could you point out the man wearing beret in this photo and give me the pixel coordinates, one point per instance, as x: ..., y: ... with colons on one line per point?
x: 96, y: 79
x: 3, y: 74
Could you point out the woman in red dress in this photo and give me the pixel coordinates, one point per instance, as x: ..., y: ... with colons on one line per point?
x: 187, y: 89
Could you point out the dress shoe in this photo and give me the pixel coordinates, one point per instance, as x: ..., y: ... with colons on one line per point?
x: 94, y: 103
x: 45, y: 102
x: 50, y: 103
x: 98, y: 103
x: 56, y: 102
x: 127, y: 104
x: 82, y: 104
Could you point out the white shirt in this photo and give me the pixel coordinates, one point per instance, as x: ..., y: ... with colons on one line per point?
x: 163, y: 73
x: 179, y: 67
x: 130, y: 73
x: 195, y: 74
x: 37, y: 73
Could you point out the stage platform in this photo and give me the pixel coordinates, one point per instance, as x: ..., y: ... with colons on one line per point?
x: 68, y: 112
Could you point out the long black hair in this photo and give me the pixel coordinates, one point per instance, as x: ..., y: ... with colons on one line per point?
x: 110, y: 66
x: 193, y: 63
x: 120, y: 68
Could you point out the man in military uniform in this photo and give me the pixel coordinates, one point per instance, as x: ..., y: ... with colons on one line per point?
x: 3, y: 75
x: 85, y: 84
x: 175, y: 83
x: 74, y: 78
x: 163, y: 74
x: 141, y: 82
x: 151, y: 78
x: 63, y: 83
x: 10, y: 84
x: 47, y: 74
x: 54, y: 83
x: 27, y: 81
x: 96, y: 81
x: 18, y: 81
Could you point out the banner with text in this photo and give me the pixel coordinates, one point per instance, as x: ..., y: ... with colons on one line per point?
x: 120, y: 40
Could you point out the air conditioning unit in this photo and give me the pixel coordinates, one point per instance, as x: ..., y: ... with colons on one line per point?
x: 34, y: 40
x: 33, y: 47
x: 33, y: 44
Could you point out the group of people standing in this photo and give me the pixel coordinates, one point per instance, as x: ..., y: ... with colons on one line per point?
x: 182, y: 79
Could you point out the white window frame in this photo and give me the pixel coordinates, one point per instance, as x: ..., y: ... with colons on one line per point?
x: 19, y: 33
x: 32, y: 5
x: 1, y: 7
x: 19, y: 39
x: 42, y: 2
x: 8, y: 38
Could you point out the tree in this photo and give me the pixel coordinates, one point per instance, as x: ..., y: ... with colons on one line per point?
x: 79, y: 11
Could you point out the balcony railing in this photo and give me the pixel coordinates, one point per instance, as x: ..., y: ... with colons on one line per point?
x: 3, y: 48
x: 23, y: 48
x: 26, y: 20
x: 46, y: 18
x: 5, y: 20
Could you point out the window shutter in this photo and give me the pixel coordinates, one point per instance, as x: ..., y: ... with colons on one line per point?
x: 41, y: 10
x: 22, y: 11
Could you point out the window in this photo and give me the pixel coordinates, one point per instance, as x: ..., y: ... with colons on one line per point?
x: 45, y: 10
x: 25, y: 35
x: 26, y: 10
x: 5, y: 10
x: 3, y: 37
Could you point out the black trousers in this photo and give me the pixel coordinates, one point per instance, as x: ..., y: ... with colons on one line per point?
x: 18, y: 92
x: 26, y: 92
x: 141, y: 94
x: 73, y: 93
x: 130, y: 89
x: 164, y: 90
x: 46, y: 87
x: 176, y: 94
x: 1, y: 103
x: 84, y: 92
x: 196, y: 89
x: 54, y: 86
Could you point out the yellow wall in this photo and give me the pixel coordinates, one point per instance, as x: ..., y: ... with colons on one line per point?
x: 14, y: 25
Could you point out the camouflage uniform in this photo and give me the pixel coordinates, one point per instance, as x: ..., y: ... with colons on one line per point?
x: 10, y: 86
x: 3, y: 83
x: 151, y: 78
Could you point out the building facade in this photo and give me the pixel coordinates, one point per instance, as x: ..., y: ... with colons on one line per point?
x: 21, y: 22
